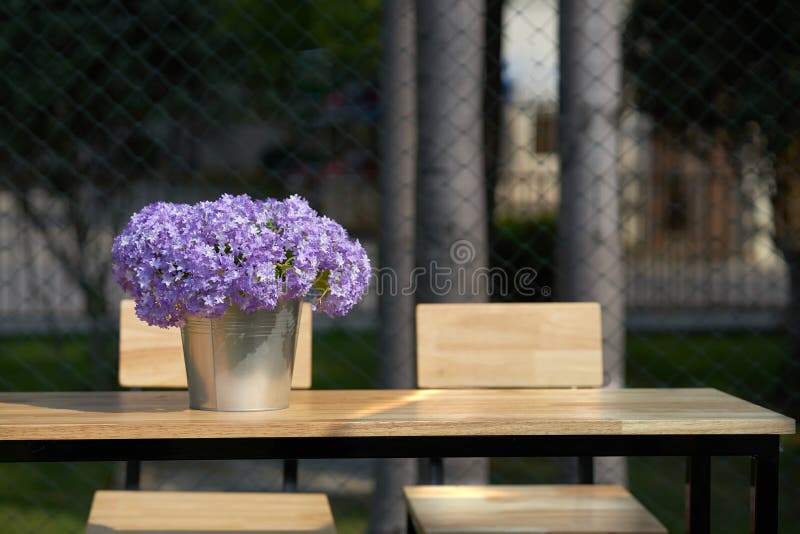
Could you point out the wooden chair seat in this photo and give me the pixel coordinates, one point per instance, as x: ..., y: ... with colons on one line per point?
x: 208, y: 512
x: 552, y: 509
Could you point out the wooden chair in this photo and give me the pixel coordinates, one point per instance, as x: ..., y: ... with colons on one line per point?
x: 520, y: 345
x: 151, y: 357
x: 168, y: 511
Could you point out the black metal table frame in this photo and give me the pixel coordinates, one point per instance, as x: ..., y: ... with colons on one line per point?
x: 698, y: 449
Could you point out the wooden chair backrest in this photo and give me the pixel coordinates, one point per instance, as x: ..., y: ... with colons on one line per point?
x: 509, y: 345
x: 152, y: 357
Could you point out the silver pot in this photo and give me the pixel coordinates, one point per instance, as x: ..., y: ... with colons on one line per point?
x: 242, y: 361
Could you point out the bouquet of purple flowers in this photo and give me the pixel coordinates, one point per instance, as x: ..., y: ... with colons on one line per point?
x: 179, y: 259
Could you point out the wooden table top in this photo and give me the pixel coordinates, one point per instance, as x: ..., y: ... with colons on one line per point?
x: 378, y: 413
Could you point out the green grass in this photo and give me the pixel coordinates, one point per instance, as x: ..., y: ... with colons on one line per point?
x: 344, y: 360
x: 45, y: 364
x: 746, y: 365
x: 55, y: 497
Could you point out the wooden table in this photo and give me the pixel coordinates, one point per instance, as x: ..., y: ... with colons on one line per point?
x: 696, y: 423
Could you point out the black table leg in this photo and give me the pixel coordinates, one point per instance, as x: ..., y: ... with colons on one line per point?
x: 698, y: 494
x: 585, y: 470
x: 410, y: 528
x: 437, y: 470
x: 133, y: 469
x: 290, y: 475
x: 764, y: 491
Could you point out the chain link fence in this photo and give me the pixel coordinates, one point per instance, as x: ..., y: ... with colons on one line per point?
x: 645, y: 154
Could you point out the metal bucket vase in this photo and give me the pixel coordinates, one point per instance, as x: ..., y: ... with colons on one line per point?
x: 241, y: 361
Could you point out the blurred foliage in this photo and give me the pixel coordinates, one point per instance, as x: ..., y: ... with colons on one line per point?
x: 87, y: 82
x: 98, y: 94
x: 81, y: 79
x: 310, y: 47
x: 716, y: 65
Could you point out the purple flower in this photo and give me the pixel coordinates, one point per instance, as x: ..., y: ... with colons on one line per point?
x: 179, y: 259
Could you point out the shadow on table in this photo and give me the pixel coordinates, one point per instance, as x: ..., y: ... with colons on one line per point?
x: 98, y: 401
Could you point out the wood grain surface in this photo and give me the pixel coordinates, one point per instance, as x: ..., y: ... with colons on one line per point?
x: 325, y: 413
x: 152, y: 357
x: 552, y: 344
x: 174, y: 512
x: 541, y: 509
